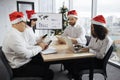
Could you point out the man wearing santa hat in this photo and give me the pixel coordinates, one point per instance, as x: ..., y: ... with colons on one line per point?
x: 24, y: 59
x: 74, y: 31
x: 99, y: 44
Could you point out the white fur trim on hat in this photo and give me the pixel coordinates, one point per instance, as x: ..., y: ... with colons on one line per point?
x: 18, y: 20
x: 98, y: 23
x: 72, y: 16
x: 34, y: 16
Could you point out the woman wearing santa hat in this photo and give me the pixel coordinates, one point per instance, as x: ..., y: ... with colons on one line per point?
x: 29, y: 33
x: 74, y: 31
x: 99, y: 44
x: 25, y: 60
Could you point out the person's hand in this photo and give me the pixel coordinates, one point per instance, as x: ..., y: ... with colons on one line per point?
x: 84, y: 50
x: 41, y: 39
x: 74, y: 41
x: 43, y: 45
x: 60, y: 40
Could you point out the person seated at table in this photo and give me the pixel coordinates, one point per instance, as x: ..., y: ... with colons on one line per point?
x: 74, y: 31
x: 25, y: 60
x: 99, y: 44
x: 29, y: 33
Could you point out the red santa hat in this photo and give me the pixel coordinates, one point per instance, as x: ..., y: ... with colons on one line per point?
x: 16, y: 17
x: 99, y: 20
x: 72, y: 13
x: 31, y: 14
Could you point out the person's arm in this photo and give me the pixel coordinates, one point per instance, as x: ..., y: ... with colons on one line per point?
x: 29, y: 36
x: 102, y: 51
x: 40, y: 39
x: 81, y: 39
x: 19, y: 46
x: 106, y: 45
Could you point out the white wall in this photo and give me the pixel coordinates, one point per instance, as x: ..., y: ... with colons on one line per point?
x: 6, y: 7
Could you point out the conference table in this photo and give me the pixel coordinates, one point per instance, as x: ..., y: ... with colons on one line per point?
x: 64, y: 54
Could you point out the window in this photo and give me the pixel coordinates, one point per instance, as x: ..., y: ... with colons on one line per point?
x: 59, y: 4
x: 111, y: 10
x: 83, y: 7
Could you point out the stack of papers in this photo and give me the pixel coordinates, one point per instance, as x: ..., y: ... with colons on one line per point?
x: 50, y: 50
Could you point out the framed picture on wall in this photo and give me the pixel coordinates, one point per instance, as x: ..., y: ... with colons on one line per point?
x: 23, y: 6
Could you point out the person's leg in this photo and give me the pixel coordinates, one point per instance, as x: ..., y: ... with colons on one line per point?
x: 74, y: 67
x: 35, y: 68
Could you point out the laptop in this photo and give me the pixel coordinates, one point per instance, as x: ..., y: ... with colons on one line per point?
x: 61, y: 39
x: 69, y: 44
x: 73, y: 48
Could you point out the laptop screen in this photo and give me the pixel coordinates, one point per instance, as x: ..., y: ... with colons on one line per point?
x: 69, y: 43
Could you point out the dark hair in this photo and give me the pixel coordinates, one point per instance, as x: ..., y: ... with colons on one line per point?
x: 100, y: 31
x: 35, y: 19
x: 29, y: 24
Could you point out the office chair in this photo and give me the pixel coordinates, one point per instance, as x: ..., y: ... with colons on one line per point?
x: 88, y: 39
x: 6, y: 71
x: 96, y: 68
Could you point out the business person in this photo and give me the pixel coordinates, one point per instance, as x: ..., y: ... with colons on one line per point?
x: 74, y: 31
x: 24, y: 59
x: 99, y: 44
x: 29, y: 33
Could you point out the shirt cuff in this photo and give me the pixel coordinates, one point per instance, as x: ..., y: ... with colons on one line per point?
x: 37, y: 50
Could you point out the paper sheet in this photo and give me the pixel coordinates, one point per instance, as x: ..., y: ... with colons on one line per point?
x: 50, y: 50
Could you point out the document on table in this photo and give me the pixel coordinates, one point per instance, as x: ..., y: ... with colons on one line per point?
x: 50, y: 50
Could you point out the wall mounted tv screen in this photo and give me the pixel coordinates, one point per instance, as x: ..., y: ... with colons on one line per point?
x: 49, y: 21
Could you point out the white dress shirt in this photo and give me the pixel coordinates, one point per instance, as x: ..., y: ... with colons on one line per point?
x: 100, y: 47
x: 77, y: 32
x: 30, y: 36
x: 16, y: 50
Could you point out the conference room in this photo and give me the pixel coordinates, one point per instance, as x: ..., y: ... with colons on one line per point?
x: 65, y: 50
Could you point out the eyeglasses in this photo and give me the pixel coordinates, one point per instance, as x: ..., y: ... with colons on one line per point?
x: 34, y: 19
x: 22, y: 21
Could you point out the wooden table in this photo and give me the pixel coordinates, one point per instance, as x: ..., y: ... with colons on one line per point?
x: 63, y: 53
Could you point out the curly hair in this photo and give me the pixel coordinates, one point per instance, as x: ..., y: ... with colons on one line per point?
x: 100, y: 31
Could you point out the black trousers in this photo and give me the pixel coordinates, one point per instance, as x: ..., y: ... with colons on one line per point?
x: 35, y: 68
x: 74, y: 67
